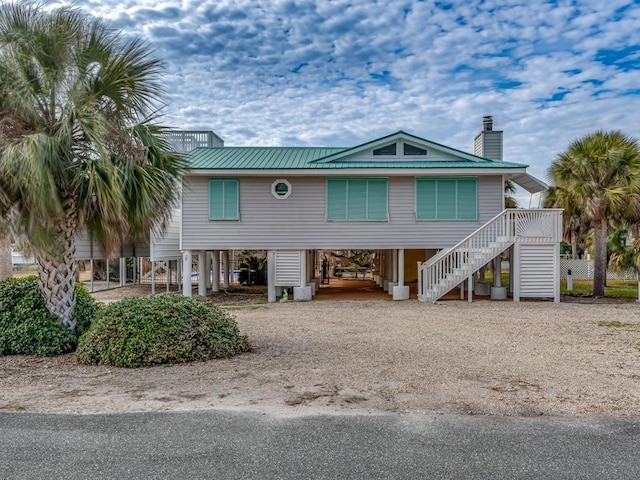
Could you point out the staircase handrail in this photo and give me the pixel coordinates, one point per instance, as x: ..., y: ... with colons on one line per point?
x: 444, y: 251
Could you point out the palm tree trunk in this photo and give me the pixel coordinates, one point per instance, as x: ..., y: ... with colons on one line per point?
x: 6, y: 261
x: 601, y: 231
x: 574, y: 245
x: 58, y: 274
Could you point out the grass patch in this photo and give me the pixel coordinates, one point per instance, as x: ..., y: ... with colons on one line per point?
x: 614, y: 288
x: 617, y: 324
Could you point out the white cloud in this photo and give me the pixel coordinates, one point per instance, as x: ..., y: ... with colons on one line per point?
x: 308, y: 72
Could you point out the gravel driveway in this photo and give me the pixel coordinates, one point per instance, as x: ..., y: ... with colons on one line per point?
x: 495, y: 358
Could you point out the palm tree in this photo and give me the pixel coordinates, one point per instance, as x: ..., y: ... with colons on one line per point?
x: 575, y: 222
x: 6, y: 260
x: 79, y: 146
x: 600, y: 173
x: 509, y: 192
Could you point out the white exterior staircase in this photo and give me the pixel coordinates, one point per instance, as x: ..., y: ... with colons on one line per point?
x: 450, y: 267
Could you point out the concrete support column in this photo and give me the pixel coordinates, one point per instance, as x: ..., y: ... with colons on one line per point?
x: 187, y: 267
x: 215, y: 270
x: 401, y: 267
x: 225, y: 269
x: 271, y: 276
x: 202, y: 273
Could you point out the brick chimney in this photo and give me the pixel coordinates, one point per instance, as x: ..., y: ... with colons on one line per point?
x: 488, y: 143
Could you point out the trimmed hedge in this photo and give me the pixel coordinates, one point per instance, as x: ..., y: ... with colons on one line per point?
x: 165, y: 328
x: 27, y: 328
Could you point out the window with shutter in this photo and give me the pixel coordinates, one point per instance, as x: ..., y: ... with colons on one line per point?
x: 223, y: 199
x: 360, y: 199
x: 447, y: 198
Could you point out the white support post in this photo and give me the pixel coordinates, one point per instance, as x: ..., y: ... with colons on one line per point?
x: 207, y: 270
x: 516, y: 272
x: 556, y: 273
x: 395, y: 265
x: 91, y: 273
x: 420, y: 292
x: 153, y: 278
x: 470, y: 288
x: 303, y: 268
x: 225, y: 269
x: 511, y: 267
x: 215, y: 270
x: 271, y: 276
x: 168, y: 275
x: 187, y: 267
x: 123, y: 271
x: 302, y: 292
x: 202, y: 273
x: 400, y: 291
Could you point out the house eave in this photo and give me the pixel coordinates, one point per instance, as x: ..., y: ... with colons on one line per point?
x: 359, y: 172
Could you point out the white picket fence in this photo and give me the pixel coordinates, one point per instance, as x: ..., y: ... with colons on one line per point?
x: 583, y: 270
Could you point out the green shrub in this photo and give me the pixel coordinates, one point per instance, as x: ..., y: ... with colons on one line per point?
x: 165, y: 328
x: 27, y: 328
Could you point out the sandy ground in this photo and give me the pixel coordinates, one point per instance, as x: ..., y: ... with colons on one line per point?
x: 371, y: 357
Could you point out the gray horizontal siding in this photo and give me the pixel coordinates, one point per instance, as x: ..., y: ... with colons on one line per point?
x: 167, y: 246
x: 84, y: 249
x: 298, y: 222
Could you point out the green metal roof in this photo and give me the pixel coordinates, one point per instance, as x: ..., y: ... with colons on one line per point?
x: 293, y: 158
x: 323, y: 158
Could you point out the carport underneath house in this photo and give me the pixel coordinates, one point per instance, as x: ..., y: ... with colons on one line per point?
x: 433, y: 217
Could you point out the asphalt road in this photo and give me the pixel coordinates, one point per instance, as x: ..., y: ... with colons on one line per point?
x: 224, y: 445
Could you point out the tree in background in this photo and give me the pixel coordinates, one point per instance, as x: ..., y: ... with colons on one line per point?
x: 575, y: 223
x: 509, y: 192
x: 79, y: 146
x: 600, y: 175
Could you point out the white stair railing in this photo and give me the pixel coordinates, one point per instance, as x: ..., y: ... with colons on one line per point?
x: 450, y: 267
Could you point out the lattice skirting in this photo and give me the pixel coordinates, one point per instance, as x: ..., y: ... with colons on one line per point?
x: 583, y: 270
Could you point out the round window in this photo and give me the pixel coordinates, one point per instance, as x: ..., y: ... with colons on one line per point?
x: 281, y: 188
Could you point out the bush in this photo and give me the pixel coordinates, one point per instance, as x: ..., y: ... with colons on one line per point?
x: 165, y: 328
x: 27, y: 328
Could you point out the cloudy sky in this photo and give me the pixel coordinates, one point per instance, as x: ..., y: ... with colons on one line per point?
x: 339, y: 73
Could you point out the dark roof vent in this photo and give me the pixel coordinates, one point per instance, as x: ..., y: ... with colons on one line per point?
x: 487, y: 123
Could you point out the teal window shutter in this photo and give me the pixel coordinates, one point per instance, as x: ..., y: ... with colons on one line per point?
x: 223, y: 199
x: 467, y: 201
x: 377, y: 199
x: 336, y: 199
x: 357, y: 199
x: 426, y: 193
x: 447, y: 198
